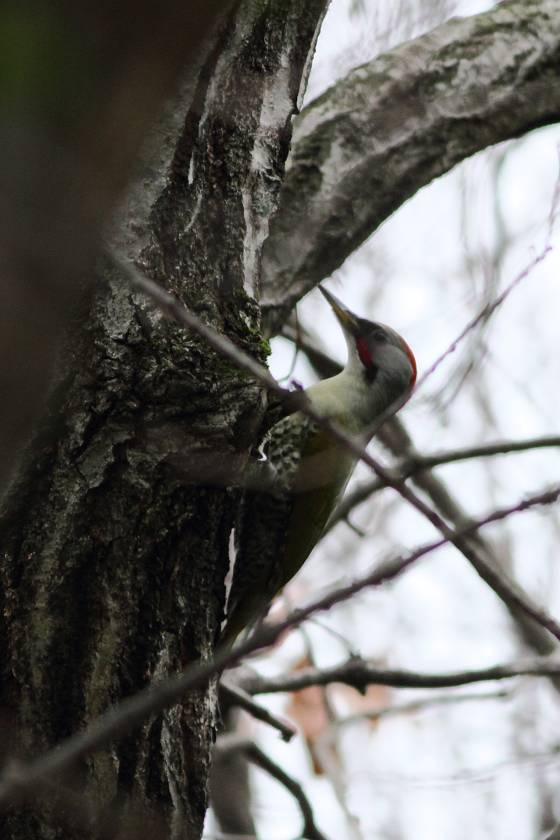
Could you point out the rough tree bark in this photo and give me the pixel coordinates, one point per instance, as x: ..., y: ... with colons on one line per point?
x: 115, y: 533
x: 78, y: 89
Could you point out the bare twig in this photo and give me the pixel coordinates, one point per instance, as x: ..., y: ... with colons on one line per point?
x: 237, y: 696
x: 397, y: 440
x: 229, y: 743
x: 424, y: 703
x: 359, y: 673
x: 474, y: 775
x: 426, y: 462
x: 20, y: 779
x: 485, y: 313
x: 409, y: 467
x: 509, y: 591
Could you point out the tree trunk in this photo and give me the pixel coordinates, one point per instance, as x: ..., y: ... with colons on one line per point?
x: 115, y: 532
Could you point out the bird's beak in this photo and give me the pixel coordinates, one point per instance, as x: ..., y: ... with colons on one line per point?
x: 347, y: 320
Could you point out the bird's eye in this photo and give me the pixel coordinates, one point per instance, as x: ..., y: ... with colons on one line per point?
x: 380, y: 337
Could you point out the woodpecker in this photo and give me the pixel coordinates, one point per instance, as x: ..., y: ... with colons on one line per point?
x: 279, y: 526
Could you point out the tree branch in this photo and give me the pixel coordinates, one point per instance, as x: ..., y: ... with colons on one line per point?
x: 428, y: 702
x: 490, y: 308
x: 410, y: 467
x: 394, y: 124
x: 396, y: 438
x: 359, y: 673
x: 236, y: 695
x: 229, y: 743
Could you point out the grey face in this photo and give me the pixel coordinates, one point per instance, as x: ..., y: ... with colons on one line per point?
x: 381, y: 348
x: 378, y: 347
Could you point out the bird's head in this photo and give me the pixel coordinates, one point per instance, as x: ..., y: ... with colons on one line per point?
x: 374, y: 348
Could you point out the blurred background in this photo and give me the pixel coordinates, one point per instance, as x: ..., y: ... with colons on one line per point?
x: 483, y: 760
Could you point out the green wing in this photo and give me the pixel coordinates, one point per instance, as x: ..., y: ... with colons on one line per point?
x: 278, y: 530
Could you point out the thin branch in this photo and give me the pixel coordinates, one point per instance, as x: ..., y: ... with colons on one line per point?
x: 409, y: 467
x: 359, y: 673
x: 506, y: 588
x: 235, y: 695
x: 474, y: 775
x: 229, y: 743
x: 504, y: 447
x: 397, y: 440
x: 20, y: 778
x: 498, y: 580
x: 486, y: 312
x: 419, y: 705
